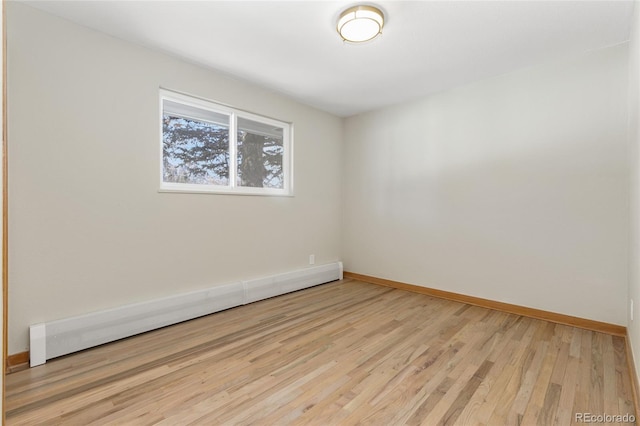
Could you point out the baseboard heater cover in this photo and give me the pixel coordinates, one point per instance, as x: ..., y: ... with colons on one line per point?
x: 56, y: 338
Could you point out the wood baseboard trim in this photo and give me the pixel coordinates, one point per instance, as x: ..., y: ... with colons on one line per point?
x: 635, y: 388
x: 603, y: 327
x: 21, y: 360
x: 17, y: 362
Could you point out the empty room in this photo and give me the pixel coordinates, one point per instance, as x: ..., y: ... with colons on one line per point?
x: 320, y: 212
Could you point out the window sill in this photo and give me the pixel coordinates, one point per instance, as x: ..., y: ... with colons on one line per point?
x: 196, y: 189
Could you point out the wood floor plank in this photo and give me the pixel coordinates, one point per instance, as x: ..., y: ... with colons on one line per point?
x: 461, y: 401
x: 540, y: 392
x: 581, y: 401
x: 624, y: 392
x: 609, y: 377
x: 565, y: 413
x: 521, y: 362
x: 341, y: 353
x: 527, y: 388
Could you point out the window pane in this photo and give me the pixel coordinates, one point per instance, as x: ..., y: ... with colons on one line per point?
x: 195, y: 151
x: 177, y: 109
x: 260, y: 153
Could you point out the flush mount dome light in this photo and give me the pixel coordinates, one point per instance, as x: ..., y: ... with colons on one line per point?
x: 360, y: 23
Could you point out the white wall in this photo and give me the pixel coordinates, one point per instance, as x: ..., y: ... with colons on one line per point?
x: 513, y: 189
x: 634, y: 151
x: 89, y: 229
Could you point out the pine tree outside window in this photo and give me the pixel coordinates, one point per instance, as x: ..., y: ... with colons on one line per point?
x: 212, y: 148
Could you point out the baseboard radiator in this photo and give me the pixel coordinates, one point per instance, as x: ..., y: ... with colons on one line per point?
x: 56, y: 338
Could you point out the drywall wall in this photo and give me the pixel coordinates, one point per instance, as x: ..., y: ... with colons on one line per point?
x: 89, y: 229
x: 513, y: 188
x: 634, y: 189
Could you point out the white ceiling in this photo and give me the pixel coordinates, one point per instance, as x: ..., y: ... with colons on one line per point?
x: 292, y: 47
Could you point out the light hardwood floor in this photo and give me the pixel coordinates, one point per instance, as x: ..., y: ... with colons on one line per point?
x: 341, y: 353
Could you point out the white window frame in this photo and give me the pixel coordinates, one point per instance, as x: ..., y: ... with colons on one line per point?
x: 234, y: 114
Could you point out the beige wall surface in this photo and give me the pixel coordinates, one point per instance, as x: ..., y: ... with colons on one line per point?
x: 89, y: 229
x: 634, y: 150
x: 513, y: 188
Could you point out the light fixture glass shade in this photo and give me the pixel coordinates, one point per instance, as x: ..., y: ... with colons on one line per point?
x: 360, y: 23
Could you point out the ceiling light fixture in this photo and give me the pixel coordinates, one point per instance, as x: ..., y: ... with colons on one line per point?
x: 360, y: 23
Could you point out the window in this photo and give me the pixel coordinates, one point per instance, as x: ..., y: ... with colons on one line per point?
x: 207, y: 147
